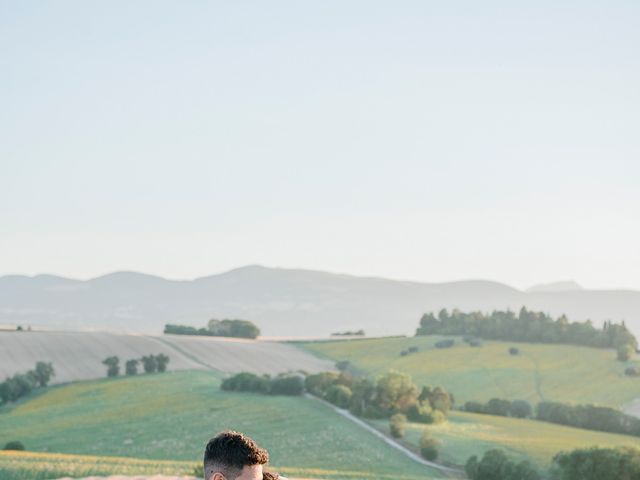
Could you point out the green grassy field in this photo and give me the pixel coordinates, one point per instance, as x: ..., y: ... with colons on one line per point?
x: 540, y: 372
x: 171, y: 416
x: 467, y: 434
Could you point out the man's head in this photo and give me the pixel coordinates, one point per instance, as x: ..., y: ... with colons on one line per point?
x: 232, y: 456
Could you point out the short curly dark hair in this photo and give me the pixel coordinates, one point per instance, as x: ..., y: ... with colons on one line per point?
x: 229, y: 452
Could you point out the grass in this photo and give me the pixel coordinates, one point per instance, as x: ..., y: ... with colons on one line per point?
x: 171, y: 416
x: 41, y: 466
x: 541, y: 372
x: 467, y: 434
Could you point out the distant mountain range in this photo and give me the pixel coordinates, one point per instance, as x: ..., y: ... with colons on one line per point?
x: 285, y: 302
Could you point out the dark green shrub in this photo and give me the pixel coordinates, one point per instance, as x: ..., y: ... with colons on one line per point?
x: 162, y: 361
x: 498, y: 406
x: 514, y: 351
x: 287, y: 385
x: 520, y: 409
x: 397, y: 424
x: 474, y: 407
x: 113, y: 366
x: 318, y: 383
x: 14, y: 445
x: 149, y: 363
x: 428, y: 446
x: 339, y: 395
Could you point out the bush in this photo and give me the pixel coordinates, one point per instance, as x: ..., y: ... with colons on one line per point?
x: 498, y: 406
x: 343, y: 365
x: 318, y: 383
x: 14, y: 445
x: 445, y: 343
x: 246, y: 382
x: 397, y: 424
x: 495, y: 465
x: 404, y: 353
x: 625, y: 352
x: 428, y: 446
x: 413, y: 350
x: 289, y: 384
x: 474, y: 407
x: 632, y: 371
x: 475, y: 343
x: 520, y: 409
x: 514, y: 351
x: 598, y: 464
x: 131, y: 366
x: 420, y: 412
x: 339, y: 395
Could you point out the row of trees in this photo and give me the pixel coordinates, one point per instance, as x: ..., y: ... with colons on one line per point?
x: 496, y: 465
x: 581, y: 464
x: 589, y: 417
x: 527, y: 326
x: 217, y: 328
x: 501, y: 407
x: 22, y: 384
x: 150, y: 363
x: 391, y: 393
x: 283, y: 384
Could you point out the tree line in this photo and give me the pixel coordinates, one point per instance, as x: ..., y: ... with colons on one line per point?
x: 150, y: 363
x: 283, y: 384
x: 620, y: 463
x: 588, y: 417
x: 217, y: 328
x: 393, y: 395
x: 527, y: 326
x: 22, y: 384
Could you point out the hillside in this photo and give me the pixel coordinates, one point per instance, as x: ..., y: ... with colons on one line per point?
x: 282, y: 302
x: 466, y: 434
x: 171, y: 416
x: 541, y: 372
x: 79, y: 355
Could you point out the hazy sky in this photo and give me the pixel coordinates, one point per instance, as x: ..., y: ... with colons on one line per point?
x: 420, y: 140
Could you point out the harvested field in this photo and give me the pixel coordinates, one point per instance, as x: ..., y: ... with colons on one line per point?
x: 79, y: 355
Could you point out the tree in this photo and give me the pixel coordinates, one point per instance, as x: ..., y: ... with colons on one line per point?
x: 428, y: 446
x: 339, y: 395
x: 396, y: 391
x: 625, y: 352
x: 43, y: 373
x: 521, y: 409
x: 318, y: 383
x: 397, y: 424
x: 131, y: 366
x: 113, y: 366
x: 288, y: 384
x: 598, y: 464
x: 162, y: 361
x: 498, y: 406
x: 149, y: 363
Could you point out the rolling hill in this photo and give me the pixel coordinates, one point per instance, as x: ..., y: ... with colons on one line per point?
x: 171, y: 416
x: 283, y: 302
x: 79, y: 355
x: 540, y: 372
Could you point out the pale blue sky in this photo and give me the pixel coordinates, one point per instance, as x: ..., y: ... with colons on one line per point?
x: 420, y: 140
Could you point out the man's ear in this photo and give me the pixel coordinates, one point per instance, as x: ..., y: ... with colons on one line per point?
x: 217, y: 476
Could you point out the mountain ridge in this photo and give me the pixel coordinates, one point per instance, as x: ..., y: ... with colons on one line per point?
x: 283, y: 301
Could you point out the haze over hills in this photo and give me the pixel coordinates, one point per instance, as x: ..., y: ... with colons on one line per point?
x: 283, y: 302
